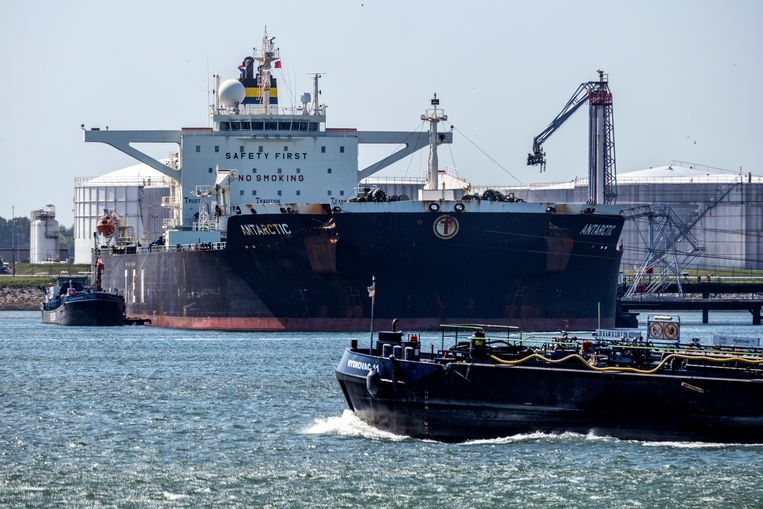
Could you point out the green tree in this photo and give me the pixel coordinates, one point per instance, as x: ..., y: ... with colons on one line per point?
x: 18, y: 226
x: 66, y: 239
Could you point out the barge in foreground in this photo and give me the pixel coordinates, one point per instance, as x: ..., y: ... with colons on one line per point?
x: 489, y: 388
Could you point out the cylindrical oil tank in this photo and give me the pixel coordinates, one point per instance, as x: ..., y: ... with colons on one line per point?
x: 43, y: 237
x: 136, y: 193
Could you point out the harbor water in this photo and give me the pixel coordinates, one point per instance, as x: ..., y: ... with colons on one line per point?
x: 150, y: 417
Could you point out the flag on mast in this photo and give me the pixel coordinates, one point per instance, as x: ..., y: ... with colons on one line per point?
x: 371, y: 294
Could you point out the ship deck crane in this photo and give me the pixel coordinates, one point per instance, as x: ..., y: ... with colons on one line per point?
x: 602, y: 176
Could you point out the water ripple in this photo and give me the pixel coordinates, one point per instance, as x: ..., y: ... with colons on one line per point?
x: 145, y: 417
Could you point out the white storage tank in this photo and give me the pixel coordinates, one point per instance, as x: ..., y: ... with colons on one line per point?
x: 723, y: 208
x: 135, y: 193
x: 43, y: 237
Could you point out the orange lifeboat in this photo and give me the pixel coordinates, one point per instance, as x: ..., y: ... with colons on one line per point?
x: 105, y: 226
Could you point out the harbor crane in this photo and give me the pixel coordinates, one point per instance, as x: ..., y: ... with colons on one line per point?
x: 602, y: 177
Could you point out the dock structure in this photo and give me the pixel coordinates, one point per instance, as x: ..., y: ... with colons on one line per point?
x: 717, y: 287
x: 705, y: 296
x: 653, y: 303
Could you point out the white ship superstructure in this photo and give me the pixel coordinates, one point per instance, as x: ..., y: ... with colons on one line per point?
x: 258, y: 155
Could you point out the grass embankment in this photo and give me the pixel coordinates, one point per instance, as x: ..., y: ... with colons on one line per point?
x: 51, y: 269
x: 22, y: 291
x: 24, y: 281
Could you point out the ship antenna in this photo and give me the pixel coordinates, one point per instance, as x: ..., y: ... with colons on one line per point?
x: 209, y: 92
x: 268, y: 54
x: 217, y: 94
x: 433, y: 117
x: 316, y: 91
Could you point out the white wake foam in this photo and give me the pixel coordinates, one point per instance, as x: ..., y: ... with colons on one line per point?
x: 348, y: 424
x: 697, y: 445
x: 173, y: 496
x: 525, y: 437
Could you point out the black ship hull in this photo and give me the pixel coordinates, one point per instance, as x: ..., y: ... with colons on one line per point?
x: 479, y: 401
x: 296, y: 271
x: 89, y: 309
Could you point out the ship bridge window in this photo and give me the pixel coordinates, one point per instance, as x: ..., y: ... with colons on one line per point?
x: 303, y: 126
x: 246, y: 126
x: 313, y: 126
x: 258, y: 126
x: 271, y: 126
x: 323, y: 149
x: 341, y: 149
x: 235, y: 126
x: 284, y: 126
x: 198, y: 148
x: 224, y: 126
x: 329, y: 170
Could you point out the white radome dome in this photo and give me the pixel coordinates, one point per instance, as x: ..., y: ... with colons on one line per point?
x: 232, y: 93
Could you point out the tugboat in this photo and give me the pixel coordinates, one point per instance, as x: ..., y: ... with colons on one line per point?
x: 71, y: 302
x: 491, y: 381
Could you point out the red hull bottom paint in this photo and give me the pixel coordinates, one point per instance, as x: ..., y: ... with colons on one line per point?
x: 356, y: 324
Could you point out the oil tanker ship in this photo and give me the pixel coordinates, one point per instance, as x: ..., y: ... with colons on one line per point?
x: 268, y: 231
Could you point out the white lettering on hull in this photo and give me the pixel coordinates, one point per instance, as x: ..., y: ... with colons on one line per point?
x: 598, y: 230
x: 265, y: 229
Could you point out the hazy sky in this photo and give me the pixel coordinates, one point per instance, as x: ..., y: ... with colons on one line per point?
x: 686, y: 78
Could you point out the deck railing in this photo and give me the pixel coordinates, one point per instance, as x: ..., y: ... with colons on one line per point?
x: 196, y: 246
